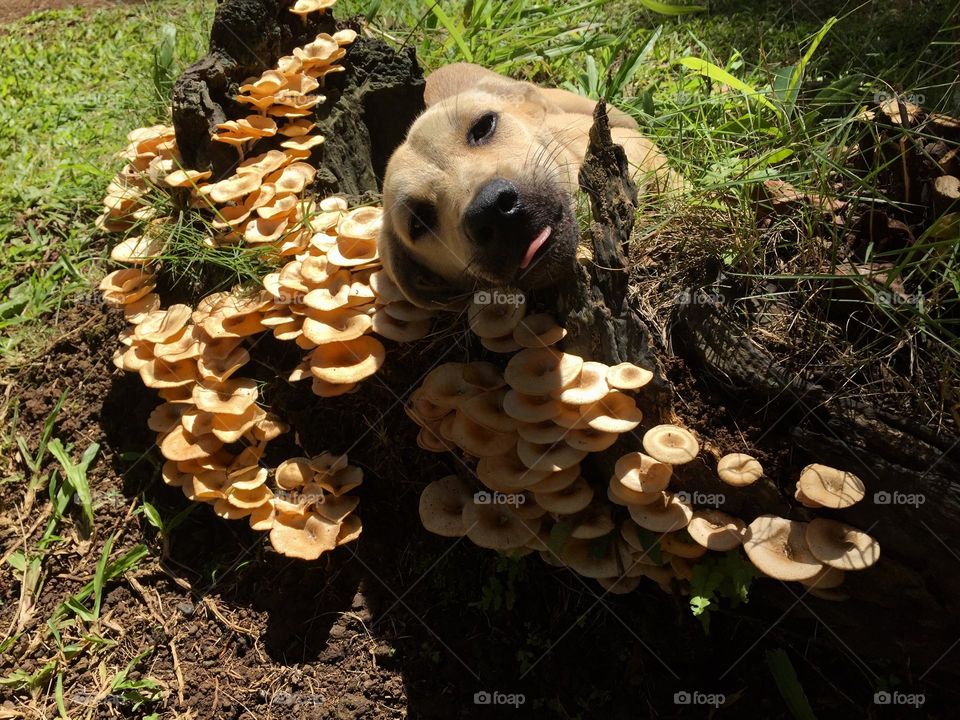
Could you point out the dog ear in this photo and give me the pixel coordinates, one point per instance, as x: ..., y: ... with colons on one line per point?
x: 419, y: 285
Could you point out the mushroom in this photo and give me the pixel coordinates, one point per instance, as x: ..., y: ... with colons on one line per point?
x: 670, y: 444
x: 841, y: 546
x: 530, y: 408
x: 537, y: 331
x: 446, y: 387
x: 441, y: 506
x: 479, y: 440
x: 829, y: 487
x: 627, y: 376
x: 738, y: 469
x: 591, y: 386
x: 538, y: 371
x: 495, y: 319
x: 614, y: 413
x: 305, y: 536
x: 667, y: 514
x: 507, y: 473
x: 679, y: 544
x: 589, y: 440
x: 487, y: 409
x: 641, y: 473
x: 551, y: 458
x: 569, y: 500
x: 778, y: 548
x: 497, y: 526
x: 347, y: 362
x: 716, y: 530
x: 552, y: 482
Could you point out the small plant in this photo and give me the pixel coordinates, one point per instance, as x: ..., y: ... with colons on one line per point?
x: 717, y: 577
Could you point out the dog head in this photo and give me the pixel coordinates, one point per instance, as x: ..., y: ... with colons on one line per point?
x: 480, y: 193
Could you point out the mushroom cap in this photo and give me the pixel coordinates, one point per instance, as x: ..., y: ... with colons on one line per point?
x: 231, y: 397
x: 830, y: 487
x: 627, y: 376
x: 558, y: 456
x: 484, y: 375
x: 294, y: 473
x: 478, y: 440
x: 616, y: 413
x: 493, y: 319
x: 545, y: 431
x: 305, y: 537
x: 716, y: 530
x: 338, y: 325
x: 667, y: 514
x: 589, y: 440
x: 441, y: 506
x: 595, y: 558
x: 739, y: 469
x: 537, y: 331
x: 347, y: 362
x: 446, y: 387
x: 619, y: 494
x: 538, y: 371
x: 778, y: 548
x: 595, y: 520
x: 670, y: 444
x: 342, y: 481
x: 498, y: 526
x: 841, y: 546
x: 504, y: 345
x: 590, y: 387
x: 530, y: 408
x: 507, y: 473
x: 642, y: 473
x: 178, y: 444
x: 678, y: 545
x: 422, y: 410
x: 572, y: 499
x: 487, y: 409
x: 556, y: 481
x: 402, y: 331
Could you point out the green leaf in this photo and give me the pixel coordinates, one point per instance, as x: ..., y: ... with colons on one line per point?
x: 789, y: 686
x: 670, y: 9
x: 717, y: 74
x: 76, y: 475
x: 455, y: 33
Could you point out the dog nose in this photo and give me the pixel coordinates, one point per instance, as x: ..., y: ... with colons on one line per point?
x: 492, y: 212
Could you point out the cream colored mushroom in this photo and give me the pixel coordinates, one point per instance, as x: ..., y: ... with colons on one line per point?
x: 670, y: 444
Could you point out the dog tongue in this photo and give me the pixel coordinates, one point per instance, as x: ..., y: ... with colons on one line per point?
x: 535, y: 245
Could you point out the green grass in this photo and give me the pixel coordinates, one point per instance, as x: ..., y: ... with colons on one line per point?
x: 74, y: 83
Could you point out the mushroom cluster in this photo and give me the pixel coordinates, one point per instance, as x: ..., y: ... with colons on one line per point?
x: 334, y: 294
x: 817, y: 553
x: 523, y: 433
x: 527, y: 429
x: 151, y: 155
x: 210, y: 428
x: 313, y: 511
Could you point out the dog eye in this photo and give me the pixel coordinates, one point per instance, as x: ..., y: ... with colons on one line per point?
x: 482, y: 130
x: 423, y: 219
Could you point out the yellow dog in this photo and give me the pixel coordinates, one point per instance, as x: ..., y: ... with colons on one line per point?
x: 480, y: 194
